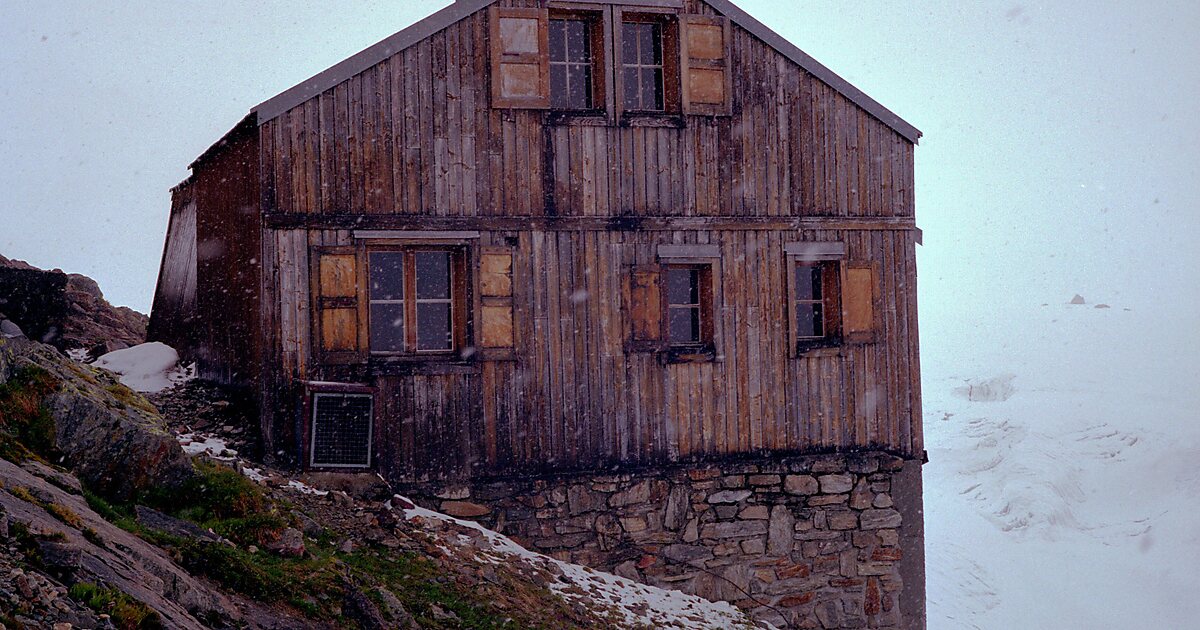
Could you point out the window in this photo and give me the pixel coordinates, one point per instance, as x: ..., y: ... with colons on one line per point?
x: 642, y: 66
x: 571, y: 65
x: 811, y: 322
x: 341, y: 430
x: 416, y: 301
x: 689, y: 317
x: 815, y: 304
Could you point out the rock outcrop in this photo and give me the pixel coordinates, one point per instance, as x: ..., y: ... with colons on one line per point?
x: 104, y: 432
x: 67, y: 311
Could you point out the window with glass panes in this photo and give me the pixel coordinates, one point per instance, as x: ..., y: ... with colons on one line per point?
x: 642, y: 66
x: 571, y: 64
x: 815, y: 301
x: 412, y: 301
x: 686, y: 305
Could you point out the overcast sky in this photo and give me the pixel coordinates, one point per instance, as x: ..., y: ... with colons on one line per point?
x: 1060, y: 150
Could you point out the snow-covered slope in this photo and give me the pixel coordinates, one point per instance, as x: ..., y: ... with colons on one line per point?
x: 1063, y: 484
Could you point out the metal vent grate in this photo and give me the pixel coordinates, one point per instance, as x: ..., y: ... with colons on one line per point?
x: 341, y: 430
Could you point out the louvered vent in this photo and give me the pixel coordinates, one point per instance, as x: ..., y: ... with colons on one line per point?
x: 341, y: 430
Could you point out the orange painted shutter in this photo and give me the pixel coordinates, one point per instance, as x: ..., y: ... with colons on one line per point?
x: 340, y: 336
x: 704, y: 51
x: 495, y: 287
x: 520, y: 53
x: 859, y: 298
x: 645, y: 308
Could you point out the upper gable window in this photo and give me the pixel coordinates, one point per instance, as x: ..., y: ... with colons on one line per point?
x: 571, y: 64
x: 642, y: 66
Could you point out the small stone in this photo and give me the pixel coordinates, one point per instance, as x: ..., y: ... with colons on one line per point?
x: 687, y: 554
x: 581, y: 499
x: 840, y: 520
x: 887, y: 554
x: 882, y: 500
x: 791, y: 601
x: 800, y: 484
x: 290, y: 543
x: 879, y: 519
x: 733, y: 481
x: 754, y: 512
x: 735, y: 529
x: 633, y: 524
x: 829, y: 463
x: 729, y: 496
x: 781, y: 531
x: 836, y: 484
x: 464, y: 509
x: 794, y: 571
x: 347, y: 546
x: 888, y: 537
x: 828, y: 499
x: 454, y: 493
x: 754, y: 547
x: 703, y: 474
x: 763, y: 480
x: 861, y: 497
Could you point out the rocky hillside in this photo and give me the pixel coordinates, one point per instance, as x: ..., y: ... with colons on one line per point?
x: 114, y: 516
x: 65, y: 310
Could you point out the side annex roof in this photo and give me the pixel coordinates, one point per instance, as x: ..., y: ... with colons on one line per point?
x: 460, y: 9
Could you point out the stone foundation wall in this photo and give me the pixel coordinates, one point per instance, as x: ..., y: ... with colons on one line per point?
x: 828, y: 541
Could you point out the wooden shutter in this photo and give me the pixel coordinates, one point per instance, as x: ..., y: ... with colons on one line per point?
x: 704, y: 65
x: 645, y: 306
x: 340, y: 334
x: 859, y: 302
x: 495, y: 287
x: 520, y: 43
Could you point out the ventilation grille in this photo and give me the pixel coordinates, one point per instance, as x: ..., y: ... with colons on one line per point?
x: 341, y: 430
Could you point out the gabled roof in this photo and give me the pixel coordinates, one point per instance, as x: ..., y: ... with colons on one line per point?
x: 461, y: 9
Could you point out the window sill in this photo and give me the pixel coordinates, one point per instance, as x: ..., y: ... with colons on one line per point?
x: 581, y: 118
x: 816, y: 348
x: 652, y: 119
x: 688, y: 354
x: 429, y: 364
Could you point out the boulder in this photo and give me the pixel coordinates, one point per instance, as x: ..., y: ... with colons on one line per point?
x: 157, y: 521
x: 290, y: 543
x: 110, y: 437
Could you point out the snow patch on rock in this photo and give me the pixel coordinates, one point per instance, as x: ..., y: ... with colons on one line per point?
x: 148, y: 367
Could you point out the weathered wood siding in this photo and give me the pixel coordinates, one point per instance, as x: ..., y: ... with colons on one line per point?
x: 415, y: 135
x: 228, y: 259
x: 412, y: 143
x: 576, y: 398
x: 172, y: 316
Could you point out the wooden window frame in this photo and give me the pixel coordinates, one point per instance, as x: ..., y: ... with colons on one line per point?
x: 600, y: 39
x: 703, y: 349
x: 830, y: 258
x: 831, y: 305
x: 671, y: 114
x: 460, y: 301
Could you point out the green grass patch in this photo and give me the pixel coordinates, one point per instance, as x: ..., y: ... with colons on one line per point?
x: 65, y: 514
x: 26, y: 426
x: 125, y: 612
x: 129, y: 398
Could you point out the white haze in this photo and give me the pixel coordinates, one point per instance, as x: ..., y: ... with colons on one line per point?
x: 1060, y: 158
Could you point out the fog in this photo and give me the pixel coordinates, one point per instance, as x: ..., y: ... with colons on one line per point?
x: 1059, y: 158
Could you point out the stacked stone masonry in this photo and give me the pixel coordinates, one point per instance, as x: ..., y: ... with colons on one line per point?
x: 803, y: 542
